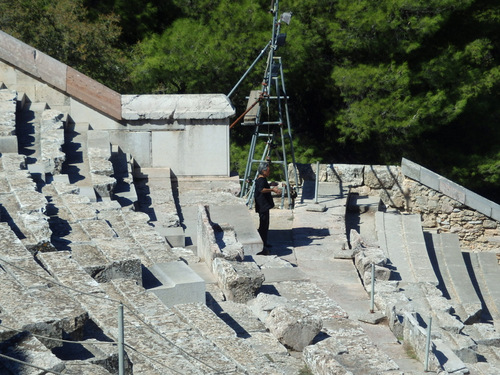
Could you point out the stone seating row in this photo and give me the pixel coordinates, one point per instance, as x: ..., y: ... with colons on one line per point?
x: 450, y: 265
x: 402, y: 240
x: 409, y: 306
x: 23, y: 206
x: 487, y: 272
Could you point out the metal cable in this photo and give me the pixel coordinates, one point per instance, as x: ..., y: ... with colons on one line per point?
x: 153, y: 329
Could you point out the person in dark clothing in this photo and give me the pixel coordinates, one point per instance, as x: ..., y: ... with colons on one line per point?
x: 264, y: 202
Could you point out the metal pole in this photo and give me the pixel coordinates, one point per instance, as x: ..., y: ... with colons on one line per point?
x: 249, y: 69
x: 121, y: 356
x: 372, y: 297
x: 317, y: 184
x: 428, y: 345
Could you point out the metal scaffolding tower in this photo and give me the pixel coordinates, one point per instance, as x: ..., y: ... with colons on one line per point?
x: 267, y: 111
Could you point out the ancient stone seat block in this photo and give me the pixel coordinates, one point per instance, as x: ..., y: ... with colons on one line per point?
x: 239, y: 281
x: 294, y: 327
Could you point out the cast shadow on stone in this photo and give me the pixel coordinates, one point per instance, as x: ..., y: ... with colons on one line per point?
x: 6, y: 218
x: 431, y: 251
x: 485, y: 314
x: 144, y: 202
x: 225, y: 317
x: 280, y: 248
x: 305, y: 236
x: 74, y: 155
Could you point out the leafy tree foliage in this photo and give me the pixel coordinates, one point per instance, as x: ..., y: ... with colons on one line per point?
x: 137, y: 18
x: 368, y: 81
x: 62, y: 29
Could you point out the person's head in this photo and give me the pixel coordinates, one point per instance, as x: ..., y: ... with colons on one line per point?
x: 264, y: 169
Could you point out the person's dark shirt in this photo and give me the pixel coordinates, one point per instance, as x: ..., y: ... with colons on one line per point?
x: 263, y: 201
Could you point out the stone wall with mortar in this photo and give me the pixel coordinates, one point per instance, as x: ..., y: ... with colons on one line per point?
x: 442, y: 208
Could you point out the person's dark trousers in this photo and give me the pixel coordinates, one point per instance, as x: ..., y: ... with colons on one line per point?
x: 263, y: 226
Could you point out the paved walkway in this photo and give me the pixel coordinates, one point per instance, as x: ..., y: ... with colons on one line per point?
x: 309, y: 239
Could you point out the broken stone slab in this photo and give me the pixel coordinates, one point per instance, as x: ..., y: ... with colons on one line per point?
x: 264, y: 303
x: 483, y: 334
x: 316, y: 207
x: 120, y: 263
x: 338, y: 356
x: 294, y: 327
x: 103, y: 185
x: 239, y: 281
x: 380, y: 274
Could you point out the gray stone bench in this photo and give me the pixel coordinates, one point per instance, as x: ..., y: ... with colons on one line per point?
x: 455, y: 276
x: 490, y: 273
x: 402, y: 239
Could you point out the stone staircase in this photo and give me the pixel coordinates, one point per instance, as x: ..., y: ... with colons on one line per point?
x: 432, y: 279
x: 78, y: 236
x: 70, y: 251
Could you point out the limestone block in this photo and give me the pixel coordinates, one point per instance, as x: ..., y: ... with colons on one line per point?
x: 31, y: 202
x: 381, y: 176
x: 320, y: 358
x: 38, y: 225
x: 175, y: 283
x: 103, y: 185
x: 264, y: 303
x: 239, y: 281
x: 294, y: 327
x: 348, y: 174
x: 486, y: 334
x: 172, y: 107
x: 381, y: 274
x: 364, y: 259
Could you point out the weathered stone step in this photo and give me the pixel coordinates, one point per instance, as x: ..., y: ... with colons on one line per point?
x: 254, y: 348
x: 27, y: 348
x: 402, y: 239
x: 45, y: 311
x: 488, y: 269
x: 196, y: 348
x: 456, y: 280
